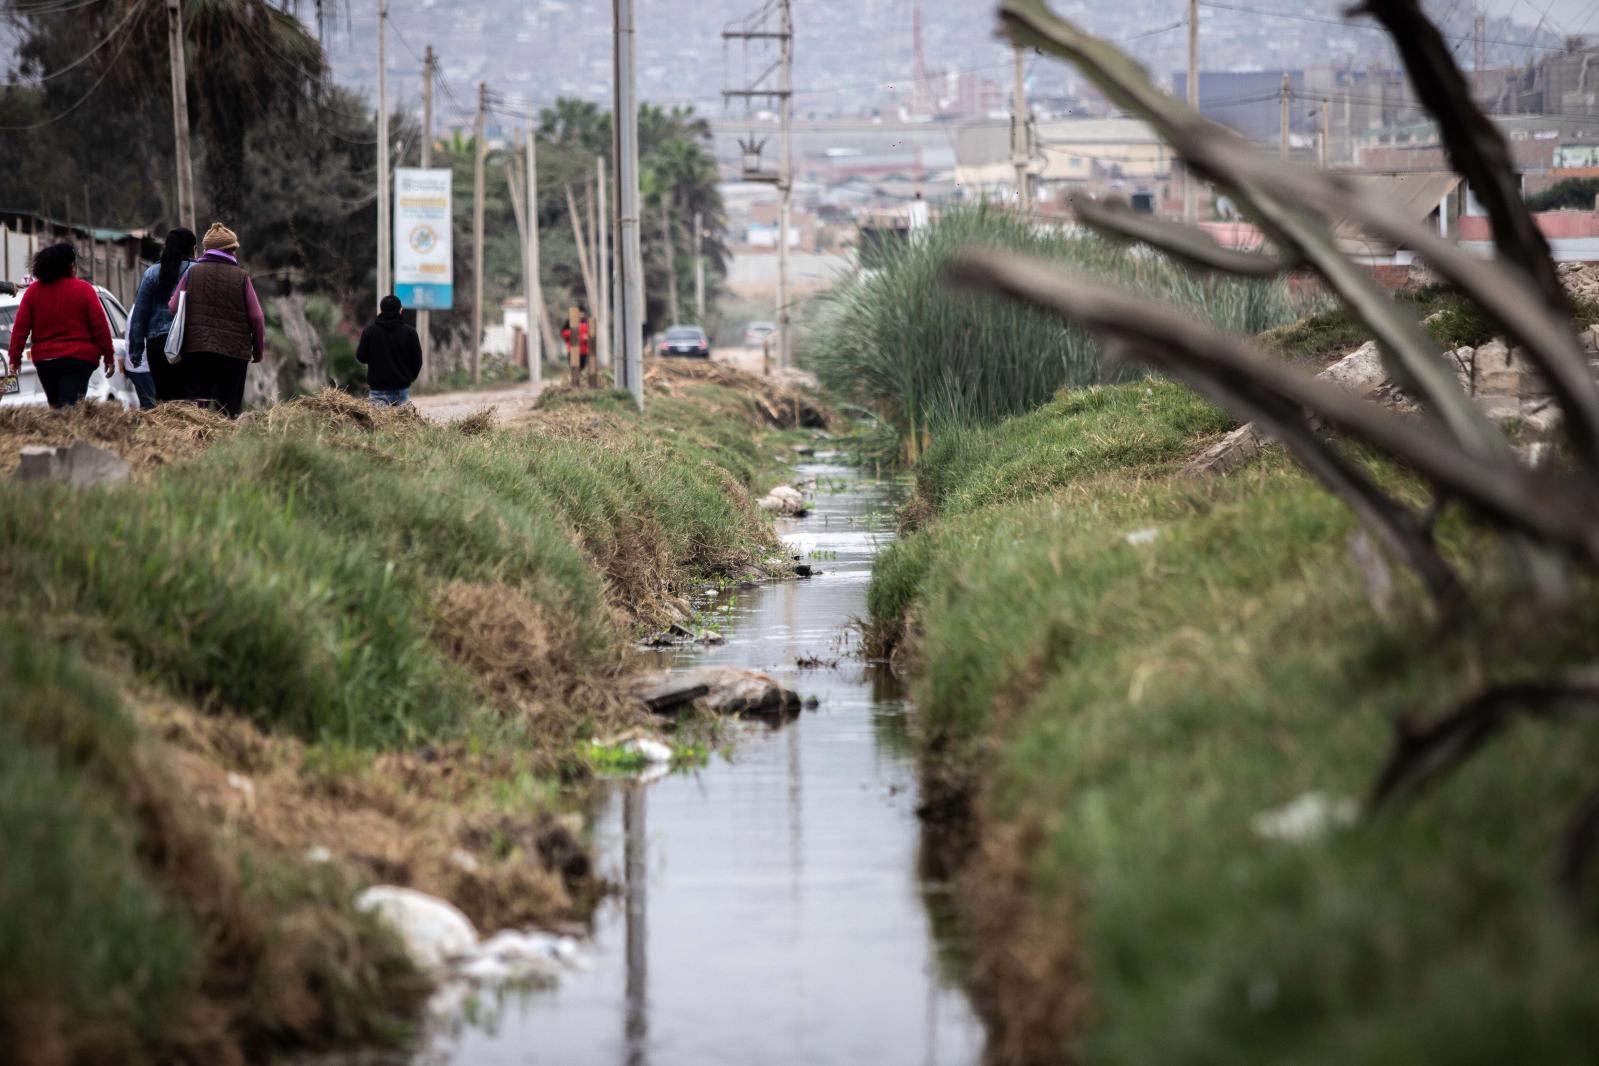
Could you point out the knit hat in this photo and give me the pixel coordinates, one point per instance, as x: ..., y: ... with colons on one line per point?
x: 220, y: 239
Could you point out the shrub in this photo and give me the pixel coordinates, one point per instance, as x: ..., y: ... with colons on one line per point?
x: 898, y: 342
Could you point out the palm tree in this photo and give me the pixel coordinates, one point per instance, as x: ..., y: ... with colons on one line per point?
x: 574, y: 123
x: 249, y: 62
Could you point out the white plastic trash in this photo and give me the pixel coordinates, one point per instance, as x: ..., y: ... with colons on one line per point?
x: 431, y: 930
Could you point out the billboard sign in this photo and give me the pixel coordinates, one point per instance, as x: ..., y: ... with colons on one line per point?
x: 424, y: 277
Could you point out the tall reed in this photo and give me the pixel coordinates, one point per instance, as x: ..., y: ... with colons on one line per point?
x: 896, y: 341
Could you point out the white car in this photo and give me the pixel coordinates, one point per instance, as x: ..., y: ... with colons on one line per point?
x: 757, y: 332
x: 117, y: 388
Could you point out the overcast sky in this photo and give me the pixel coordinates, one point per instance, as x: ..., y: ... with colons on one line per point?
x: 1573, y: 16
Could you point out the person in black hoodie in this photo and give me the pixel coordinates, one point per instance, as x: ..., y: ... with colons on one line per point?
x: 392, y: 353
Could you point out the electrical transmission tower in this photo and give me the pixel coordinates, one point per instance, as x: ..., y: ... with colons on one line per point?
x: 774, y: 22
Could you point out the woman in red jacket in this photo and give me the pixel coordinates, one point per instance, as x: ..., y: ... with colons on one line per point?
x: 67, y: 323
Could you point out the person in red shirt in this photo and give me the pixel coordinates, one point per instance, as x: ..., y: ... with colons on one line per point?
x: 64, y: 318
x: 582, y: 338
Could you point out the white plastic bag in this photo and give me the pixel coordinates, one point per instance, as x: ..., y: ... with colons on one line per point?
x: 175, y: 334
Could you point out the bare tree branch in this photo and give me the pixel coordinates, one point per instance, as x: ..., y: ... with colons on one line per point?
x: 1550, y: 507
x: 1475, y: 146
x: 1505, y: 295
x: 1414, y: 359
x: 1113, y: 218
x: 1423, y: 754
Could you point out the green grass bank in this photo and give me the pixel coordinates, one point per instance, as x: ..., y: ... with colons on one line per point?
x: 324, y: 628
x: 1117, y: 671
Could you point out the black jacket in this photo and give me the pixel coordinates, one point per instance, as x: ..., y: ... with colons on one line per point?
x: 392, y: 353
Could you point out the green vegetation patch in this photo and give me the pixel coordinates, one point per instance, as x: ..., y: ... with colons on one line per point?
x: 1572, y: 194
x: 127, y: 912
x: 293, y: 573
x: 898, y: 341
x: 1453, y: 321
x: 1133, y: 669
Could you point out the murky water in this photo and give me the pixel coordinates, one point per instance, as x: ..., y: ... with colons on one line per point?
x: 770, y: 908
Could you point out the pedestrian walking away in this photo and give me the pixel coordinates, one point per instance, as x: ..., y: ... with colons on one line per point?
x: 224, y: 330
x: 392, y: 353
x: 63, y: 318
x: 154, y: 378
x: 582, y: 339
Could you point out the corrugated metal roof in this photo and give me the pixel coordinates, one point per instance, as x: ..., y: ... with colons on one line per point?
x: 1417, y: 194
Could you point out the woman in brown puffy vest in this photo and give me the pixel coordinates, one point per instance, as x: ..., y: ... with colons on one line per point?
x: 224, y: 330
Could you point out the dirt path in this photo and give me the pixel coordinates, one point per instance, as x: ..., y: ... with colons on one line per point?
x: 510, y: 402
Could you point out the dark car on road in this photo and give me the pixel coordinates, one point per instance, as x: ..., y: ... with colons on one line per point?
x: 686, y: 340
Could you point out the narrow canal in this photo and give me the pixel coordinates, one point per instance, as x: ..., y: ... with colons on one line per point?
x: 771, y: 907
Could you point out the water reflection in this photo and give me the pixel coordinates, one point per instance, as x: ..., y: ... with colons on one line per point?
x: 780, y: 907
x: 637, y: 894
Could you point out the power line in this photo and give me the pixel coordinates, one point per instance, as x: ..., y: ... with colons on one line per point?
x: 438, y: 70
x: 1412, y: 105
x: 53, y: 8
x: 76, y: 63
x: 80, y: 101
x: 1529, y: 45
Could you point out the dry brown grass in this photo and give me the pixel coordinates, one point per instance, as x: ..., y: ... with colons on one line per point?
x: 146, y: 439
x: 574, y: 424
x: 514, y: 651
x: 1026, y: 977
x: 775, y: 405
x: 423, y: 820
x: 335, y: 408
x: 475, y: 424
x: 264, y: 972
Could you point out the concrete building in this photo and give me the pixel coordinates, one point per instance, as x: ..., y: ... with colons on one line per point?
x: 1089, y: 154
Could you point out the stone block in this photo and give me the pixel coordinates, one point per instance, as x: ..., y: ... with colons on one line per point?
x: 1359, y: 372
x: 1539, y: 423
x: 81, y: 464
x: 1590, y: 340
x: 1494, y: 355
x: 1227, y: 454
x: 1462, y: 361
x: 1501, y: 383
x: 1500, y: 408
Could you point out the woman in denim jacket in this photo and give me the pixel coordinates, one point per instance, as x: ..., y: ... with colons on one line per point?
x: 153, y: 377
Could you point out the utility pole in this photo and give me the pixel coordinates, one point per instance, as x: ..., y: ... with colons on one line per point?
x: 755, y: 28
x: 1326, y: 128
x: 602, y: 255
x: 424, y: 317
x: 630, y: 272
x: 1018, y: 137
x: 88, y: 227
x: 180, y: 115
x: 1190, y: 179
x: 585, y: 261
x: 699, y: 268
x: 670, y: 240
x: 385, y: 222
x: 531, y: 268
x: 595, y: 310
x: 480, y: 152
x: 1478, y: 26
x: 598, y: 294
x: 785, y: 177
x: 1282, y: 143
